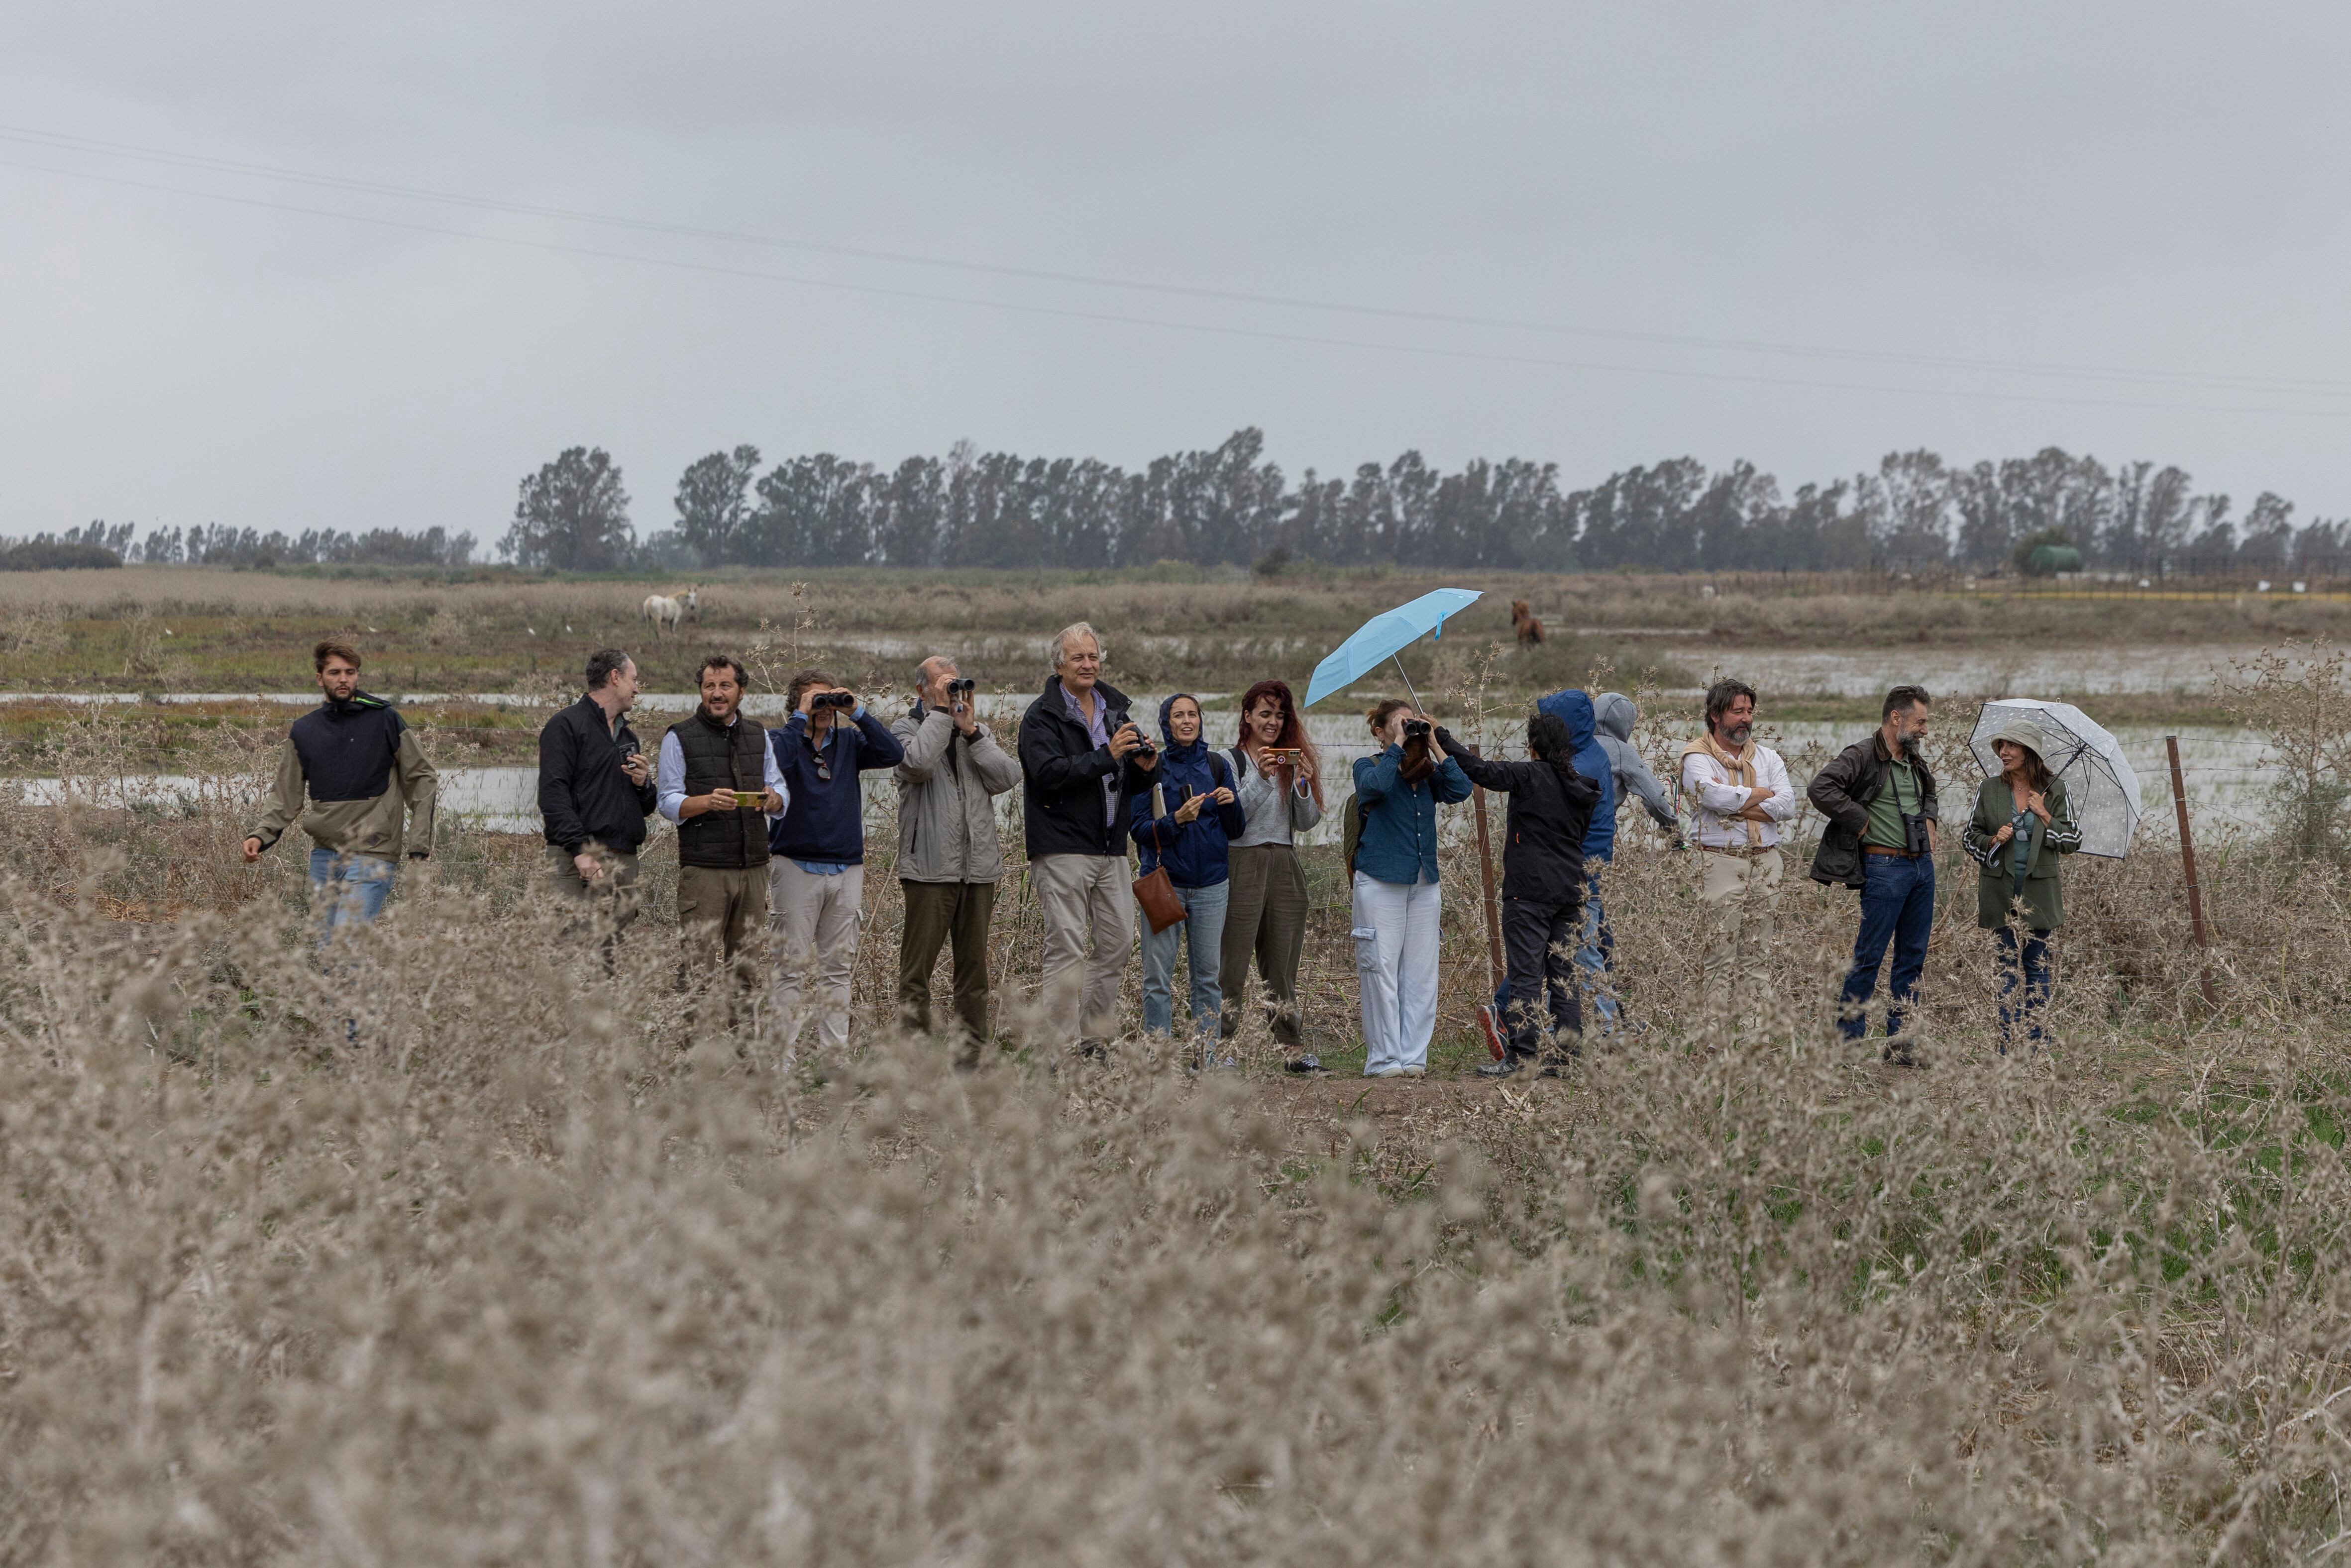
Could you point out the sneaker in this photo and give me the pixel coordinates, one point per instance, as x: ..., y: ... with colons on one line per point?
x: 1093, y: 1050
x: 1310, y: 1062
x: 1493, y: 1033
x: 1414, y: 1072
x: 1384, y: 1072
x: 1508, y: 1067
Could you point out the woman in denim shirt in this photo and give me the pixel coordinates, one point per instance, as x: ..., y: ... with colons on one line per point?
x: 1396, y: 902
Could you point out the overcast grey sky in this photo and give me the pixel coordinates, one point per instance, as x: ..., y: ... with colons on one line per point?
x: 2156, y: 192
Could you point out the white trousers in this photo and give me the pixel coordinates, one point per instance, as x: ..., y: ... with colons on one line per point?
x: 1395, y: 965
x: 813, y: 921
x: 1089, y: 905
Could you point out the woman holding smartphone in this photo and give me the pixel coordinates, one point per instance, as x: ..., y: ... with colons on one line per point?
x: 1182, y: 823
x: 1397, y: 897
x: 1280, y: 790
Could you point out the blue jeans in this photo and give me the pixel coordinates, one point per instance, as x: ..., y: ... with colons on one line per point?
x: 2033, y: 960
x: 1898, y: 904
x: 1597, y: 957
x: 347, y: 890
x: 1204, y: 922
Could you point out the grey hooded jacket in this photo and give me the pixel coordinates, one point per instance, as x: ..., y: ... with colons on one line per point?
x: 1614, y: 716
x: 947, y: 810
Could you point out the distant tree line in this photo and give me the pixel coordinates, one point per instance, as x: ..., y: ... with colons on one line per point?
x: 1230, y: 505
x: 101, y: 544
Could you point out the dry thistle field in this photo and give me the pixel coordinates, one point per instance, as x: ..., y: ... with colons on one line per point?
x: 540, y: 1271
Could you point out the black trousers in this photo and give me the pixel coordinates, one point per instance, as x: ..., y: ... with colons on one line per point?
x: 1539, y: 941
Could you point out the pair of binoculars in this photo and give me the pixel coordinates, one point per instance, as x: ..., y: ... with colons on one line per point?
x: 833, y: 699
x: 961, y: 687
x: 1416, y: 728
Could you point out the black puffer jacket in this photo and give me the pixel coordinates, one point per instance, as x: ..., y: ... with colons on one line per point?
x: 1061, y: 806
x: 1542, y: 843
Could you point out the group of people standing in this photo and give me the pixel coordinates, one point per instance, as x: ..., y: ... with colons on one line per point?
x: 770, y: 832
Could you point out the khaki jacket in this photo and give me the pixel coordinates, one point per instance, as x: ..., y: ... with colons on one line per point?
x: 370, y: 827
x: 946, y: 789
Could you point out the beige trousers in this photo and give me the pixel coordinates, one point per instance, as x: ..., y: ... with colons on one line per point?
x: 1089, y: 905
x: 813, y: 927
x: 1742, y: 898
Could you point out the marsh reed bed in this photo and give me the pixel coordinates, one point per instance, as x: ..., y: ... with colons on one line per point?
x: 538, y: 1272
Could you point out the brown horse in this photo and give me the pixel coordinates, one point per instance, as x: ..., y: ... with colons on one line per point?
x: 1523, y: 621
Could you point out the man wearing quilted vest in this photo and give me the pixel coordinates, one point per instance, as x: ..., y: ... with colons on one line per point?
x: 717, y: 779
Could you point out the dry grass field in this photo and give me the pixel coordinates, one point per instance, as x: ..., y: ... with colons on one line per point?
x: 538, y: 1268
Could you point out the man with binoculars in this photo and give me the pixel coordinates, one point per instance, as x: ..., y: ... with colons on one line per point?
x: 1880, y: 800
x: 816, y: 873
x: 1082, y: 756
x: 949, y: 857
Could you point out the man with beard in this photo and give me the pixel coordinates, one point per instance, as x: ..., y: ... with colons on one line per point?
x: 357, y: 761
x: 715, y: 776
x: 1879, y: 798
x: 1741, y: 795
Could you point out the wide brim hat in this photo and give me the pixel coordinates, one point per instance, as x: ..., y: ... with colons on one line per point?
x: 2023, y: 734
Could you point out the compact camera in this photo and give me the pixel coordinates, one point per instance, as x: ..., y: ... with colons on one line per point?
x: 833, y: 699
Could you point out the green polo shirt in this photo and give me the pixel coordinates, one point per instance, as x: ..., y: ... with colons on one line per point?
x: 1900, y: 795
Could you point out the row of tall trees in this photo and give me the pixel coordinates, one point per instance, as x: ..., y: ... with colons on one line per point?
x: 1229, y: 504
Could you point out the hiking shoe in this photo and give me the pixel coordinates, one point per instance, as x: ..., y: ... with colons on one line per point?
x: 1508, y: 1067
x: 1093, y: 1050
x: 1492, y: 1030
x: 1310, y: 1062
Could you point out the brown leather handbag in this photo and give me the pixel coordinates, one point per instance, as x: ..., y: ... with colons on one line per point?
x: 1156, y: 893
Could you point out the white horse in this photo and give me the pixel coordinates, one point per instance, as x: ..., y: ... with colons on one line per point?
x: 663, y: 612
x: 691, y: 599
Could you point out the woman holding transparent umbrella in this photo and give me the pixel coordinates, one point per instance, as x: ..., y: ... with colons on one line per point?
x: 2023, y: 823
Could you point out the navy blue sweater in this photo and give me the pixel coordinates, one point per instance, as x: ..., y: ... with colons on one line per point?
x: 1197, y: 853
x: 824, y: 818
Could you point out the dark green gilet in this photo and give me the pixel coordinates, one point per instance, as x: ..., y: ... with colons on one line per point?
x: 722, y: 757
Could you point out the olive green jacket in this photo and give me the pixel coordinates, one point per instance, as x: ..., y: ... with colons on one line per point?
x: 2044, y: 894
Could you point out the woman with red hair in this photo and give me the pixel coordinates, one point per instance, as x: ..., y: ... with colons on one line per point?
x: 1280, y: 792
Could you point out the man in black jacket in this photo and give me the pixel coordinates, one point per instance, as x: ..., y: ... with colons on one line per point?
x: 1880, y: 800
x: 595, y: 791
x: 1543, y: 883
x: 1080, y: 757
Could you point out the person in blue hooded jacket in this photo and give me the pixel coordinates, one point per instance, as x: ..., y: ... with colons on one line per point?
x: 1596, y: 955
x: 1185, y: 823
x: 1396, y: 902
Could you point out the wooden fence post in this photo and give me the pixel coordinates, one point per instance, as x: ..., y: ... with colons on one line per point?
x: 2188, y: 865
x: 1486, y: 868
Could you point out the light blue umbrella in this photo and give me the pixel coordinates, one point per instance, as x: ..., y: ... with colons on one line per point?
x: 1385, y: 635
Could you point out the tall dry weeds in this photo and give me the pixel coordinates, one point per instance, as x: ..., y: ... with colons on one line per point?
x: 536, y: 1272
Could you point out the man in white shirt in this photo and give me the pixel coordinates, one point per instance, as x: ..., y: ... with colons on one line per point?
x: 1741, y: 796
x: 715, y: 776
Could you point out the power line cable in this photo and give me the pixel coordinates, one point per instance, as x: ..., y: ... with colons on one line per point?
x: 60, y: 141
x: 1210, y: 329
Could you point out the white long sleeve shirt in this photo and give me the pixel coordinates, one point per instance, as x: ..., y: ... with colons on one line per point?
x: 1718, y: 801
x: 669, y: 778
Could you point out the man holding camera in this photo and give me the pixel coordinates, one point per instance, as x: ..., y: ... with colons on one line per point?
x: 949, y: 857
x: 595, y: 790
x: 717, y: 779
x: 816, y: 876
x: 1880, y: 800
x: 1081, y: 756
